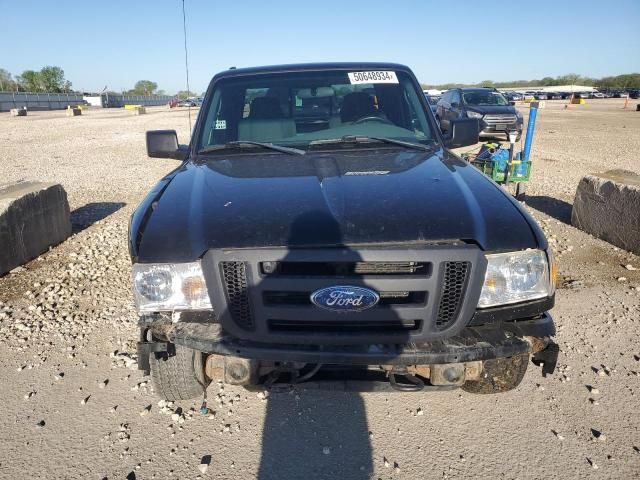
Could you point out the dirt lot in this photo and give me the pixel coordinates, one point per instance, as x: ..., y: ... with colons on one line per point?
x: 74, y: 406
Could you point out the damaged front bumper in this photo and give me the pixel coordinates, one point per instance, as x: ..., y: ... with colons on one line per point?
x: 474, y: 343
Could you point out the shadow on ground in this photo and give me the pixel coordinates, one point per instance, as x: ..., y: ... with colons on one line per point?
x: 325, y: 435
x: 558, y: 209
x: 91, y: 213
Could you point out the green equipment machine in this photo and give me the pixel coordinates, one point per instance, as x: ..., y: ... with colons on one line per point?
x: 501, y: 165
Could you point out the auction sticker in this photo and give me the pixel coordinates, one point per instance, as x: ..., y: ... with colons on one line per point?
x: 379, y: 76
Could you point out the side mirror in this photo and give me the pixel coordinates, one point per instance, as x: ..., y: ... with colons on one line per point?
x: 164, y: 144
x: 455, y: 105
x: 512, y: 103
x: 464, y: 132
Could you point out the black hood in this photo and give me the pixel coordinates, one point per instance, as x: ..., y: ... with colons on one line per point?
x: 372, y: 195
x: 484, y: 109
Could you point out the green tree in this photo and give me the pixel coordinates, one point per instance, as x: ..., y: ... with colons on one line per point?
x: 30, y: 81
x: 144, y: 87
x: 6, y: 81
x: 52, y: 79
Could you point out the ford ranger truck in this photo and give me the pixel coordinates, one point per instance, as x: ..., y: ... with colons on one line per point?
x: 318, y: 230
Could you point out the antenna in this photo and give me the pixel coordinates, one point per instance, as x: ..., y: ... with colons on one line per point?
x: 186, y: 59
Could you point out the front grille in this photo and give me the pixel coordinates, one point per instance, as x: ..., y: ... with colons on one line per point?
x: 337, y: 269
x: 264, y: 295
x: 344, y: 327
x: 494, y: 119
x: 453, y: 286
x: 234, y: 275
x: 304, y: 298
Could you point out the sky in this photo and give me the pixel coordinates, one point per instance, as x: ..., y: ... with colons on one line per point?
x: 116, y: 43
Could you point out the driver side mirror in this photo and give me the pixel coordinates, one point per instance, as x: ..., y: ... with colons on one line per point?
x: 463, y: 132
x: 164, y: 144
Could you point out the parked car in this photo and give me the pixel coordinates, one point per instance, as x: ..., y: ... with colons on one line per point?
x: 596, y: 94
x: 364, y: 251
x: 540, y: 95
x: 433, y: 102
x: 496, y: 115
x: 514, y: 96
x: 635, y: 94
x: 188, y: 102
x: 554, y: 96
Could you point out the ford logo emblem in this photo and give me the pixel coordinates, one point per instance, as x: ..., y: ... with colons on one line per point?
x: 345, y: 298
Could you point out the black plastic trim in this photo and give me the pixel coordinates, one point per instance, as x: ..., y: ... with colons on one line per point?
x: 516, y: 311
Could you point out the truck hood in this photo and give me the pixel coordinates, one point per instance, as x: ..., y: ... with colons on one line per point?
x: 330, y: 198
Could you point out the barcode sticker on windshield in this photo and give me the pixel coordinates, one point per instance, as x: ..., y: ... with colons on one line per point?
x: 381, y: 76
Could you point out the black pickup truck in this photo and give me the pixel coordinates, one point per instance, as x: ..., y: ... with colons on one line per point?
x: 318, y: 230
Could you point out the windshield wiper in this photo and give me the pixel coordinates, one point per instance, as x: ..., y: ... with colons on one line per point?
x: 240, y: 143
x: 364, y: 139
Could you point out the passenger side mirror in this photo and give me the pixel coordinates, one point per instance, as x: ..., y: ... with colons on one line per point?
x: 512, y: 103
x: 455, y: 104
x: 463, y: 132
x: 164, y: 144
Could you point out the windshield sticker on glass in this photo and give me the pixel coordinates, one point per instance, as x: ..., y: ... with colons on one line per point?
x: 356, y: 78
x: 221, y: 124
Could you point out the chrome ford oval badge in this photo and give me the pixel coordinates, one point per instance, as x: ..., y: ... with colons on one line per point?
x: 345, y: 298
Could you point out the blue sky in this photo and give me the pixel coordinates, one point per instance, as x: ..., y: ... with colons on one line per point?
x: 118, y: 42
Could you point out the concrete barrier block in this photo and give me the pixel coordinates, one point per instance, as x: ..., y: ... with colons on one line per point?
x: 18, y: 112
x: 73, y: 112
x: 607, y: 205
x: 139, y: 111
x: 33, y: 217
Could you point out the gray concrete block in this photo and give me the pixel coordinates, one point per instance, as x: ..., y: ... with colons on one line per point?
x: 607, y: 205
x: 33, y: 217
x: 139, y: 110
x: 18, y: 112
x: 73, y: 112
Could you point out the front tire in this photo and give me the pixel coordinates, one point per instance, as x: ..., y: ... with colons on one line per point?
x: 178, y: 374
x: 499, y: 375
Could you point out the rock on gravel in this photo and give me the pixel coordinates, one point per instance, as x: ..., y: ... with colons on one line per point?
x: 33, y: 217
x: 606, y: 205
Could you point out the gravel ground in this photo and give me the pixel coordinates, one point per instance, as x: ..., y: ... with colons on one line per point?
x: 74, y: 405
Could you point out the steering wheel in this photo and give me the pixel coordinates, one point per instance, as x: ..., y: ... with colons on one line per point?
x: 372, y: 118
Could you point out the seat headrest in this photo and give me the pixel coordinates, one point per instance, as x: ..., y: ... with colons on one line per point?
x: 265, y: 108
x: 357, y: 105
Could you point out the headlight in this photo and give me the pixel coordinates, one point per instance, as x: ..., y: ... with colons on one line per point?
x: 168, y: 287
x: 516, y: 277
x: 471, y: 114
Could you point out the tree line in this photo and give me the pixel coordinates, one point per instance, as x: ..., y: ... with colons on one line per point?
x: 628, y: 80
x: 47, y: 79
x: 51, y: 79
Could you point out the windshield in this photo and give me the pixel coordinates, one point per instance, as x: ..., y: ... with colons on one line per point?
x: 481, y: 98
x: 295, y: 109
